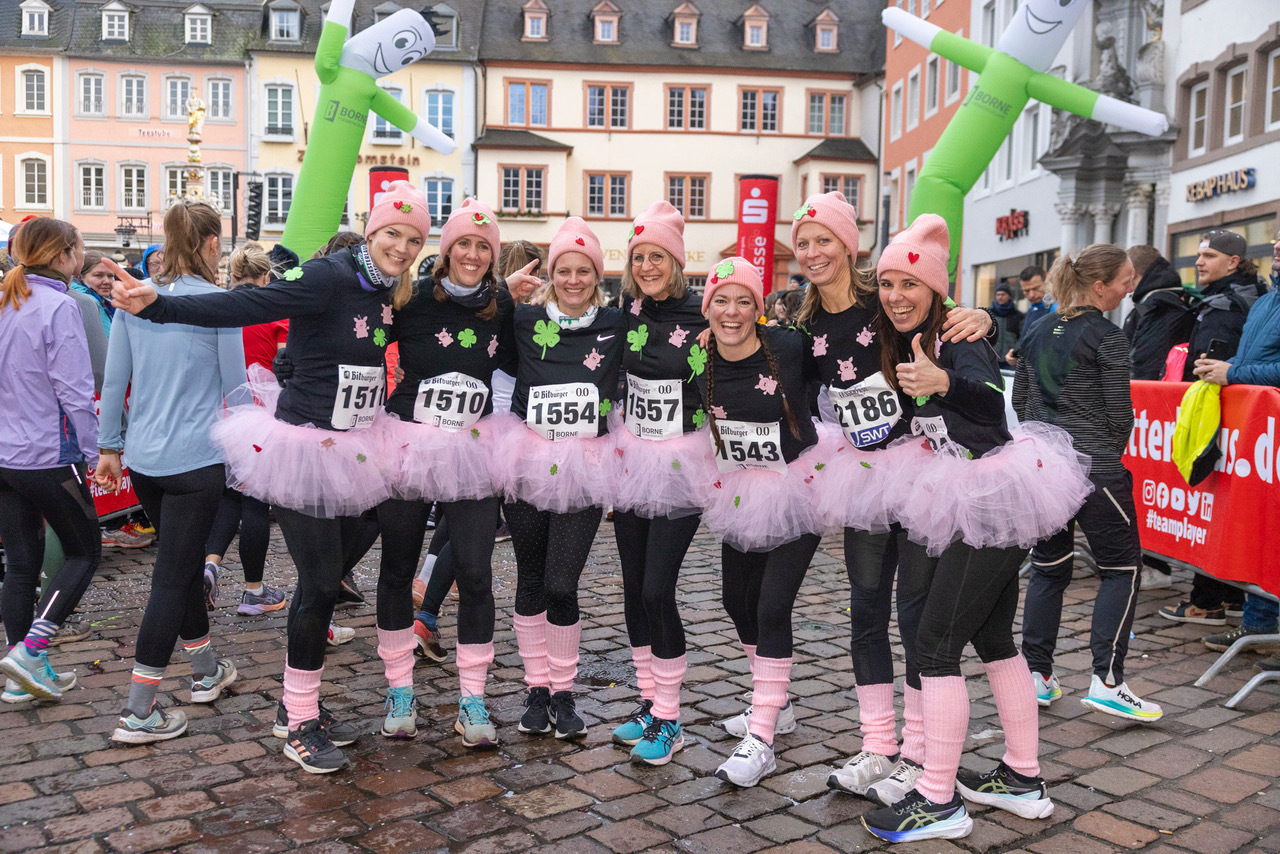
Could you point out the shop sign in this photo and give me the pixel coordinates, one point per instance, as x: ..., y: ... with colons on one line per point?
x: 155, y: 133
x: 1218, y: 185
x: 1016, y: 224
x: 379, y: 159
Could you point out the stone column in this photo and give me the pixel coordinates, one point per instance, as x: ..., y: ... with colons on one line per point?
x: 1070, y: 213
x: 1103, y: 215
x: 1137, y: 198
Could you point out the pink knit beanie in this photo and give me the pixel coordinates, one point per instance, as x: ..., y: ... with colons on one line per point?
x: 473, y: 218
x: 922, y: 250
x: 575, y: 236
x: 401, y: 204
x: 662, y: 225
x: 734, y: 271
x: 833, y: 211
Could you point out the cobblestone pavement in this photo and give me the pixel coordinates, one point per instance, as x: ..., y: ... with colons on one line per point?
x: 1199, y: 781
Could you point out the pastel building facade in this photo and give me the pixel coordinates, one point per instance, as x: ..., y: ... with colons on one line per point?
x: 33, y: 69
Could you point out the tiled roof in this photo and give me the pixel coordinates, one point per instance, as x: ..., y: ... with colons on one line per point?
x: 12, y: 40
x: 839, y: 149
x: 517, y: 139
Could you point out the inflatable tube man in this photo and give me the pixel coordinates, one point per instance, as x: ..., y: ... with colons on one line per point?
x: 348, y: 71
x: 1009, y: 76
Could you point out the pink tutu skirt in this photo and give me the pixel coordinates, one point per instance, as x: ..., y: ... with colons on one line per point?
x: 560, y: 477
x: 323, y: 473
x: 755, y: 510
x: 661, y: 478
x: 432, y: 464
x: 853, y: 487
x: 1016, y: 495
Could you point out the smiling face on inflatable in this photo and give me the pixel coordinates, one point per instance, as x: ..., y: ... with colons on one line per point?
x: 391, y: 44
x: 1039, y: 29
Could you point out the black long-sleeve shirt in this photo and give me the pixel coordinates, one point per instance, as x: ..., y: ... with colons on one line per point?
x: 662, y: 344
x: 972, y: 410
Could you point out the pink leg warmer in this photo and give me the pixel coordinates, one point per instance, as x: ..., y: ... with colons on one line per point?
x: 302, y: 695
x: 750, y: 650
x: 396, y: 651
x: 643, y: 658
x: 473, y: 666
x: 668, y: 675
x: 770, y: 681
x: 946, y: 722
x: 531, y: 639
x: 1015, y: 698
x: 562, y: 655
x: 912, y: 725
x: 875, y: 714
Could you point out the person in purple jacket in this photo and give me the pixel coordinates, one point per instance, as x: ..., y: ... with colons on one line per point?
x: 44, y: 359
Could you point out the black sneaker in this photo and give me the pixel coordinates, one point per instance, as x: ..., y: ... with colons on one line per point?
x: 1006, y: 789
x: 916, y: 817
x: 537, y: 711
x: 565, y: 716
x: 348, y: 593
x: 311, y: 748
x: 1223, y: 641
x: 341, y: 734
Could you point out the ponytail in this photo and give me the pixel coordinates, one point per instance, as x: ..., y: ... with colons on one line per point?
x: 790, y: 415
x: 39, y: 242
x: 187, y: 225
x: 1071, y: 282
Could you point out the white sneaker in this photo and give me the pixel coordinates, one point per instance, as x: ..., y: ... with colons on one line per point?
x: 338, y: 635
x: 1121, y: 702
x: 857, y: 775
x: 894, y: 788
x: 1047, y: 690
x: 1153, y: 578
x: 14, y: 693
x: 750, y: 761
x: 737, y: 725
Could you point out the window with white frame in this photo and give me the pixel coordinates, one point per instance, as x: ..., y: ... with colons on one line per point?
x: 1273, y: 90
x: 279, y: 194
x: 115, y: 22
x: 952, y: 88
x: 133, y: 95
x: 908, y: 184
x: 827, y: 113
x: 32, y: 90
x: 286, y: 25
x: 535, y: 20
x: 1233, y: 120
x: 758, y: 112
x: 176, y: 92
x: 924, y: 8
x: 607, y: 195
x: 217, y: 186
x: 527, y: 103
x: 219, y: 105
x: 383, y: 130
x: 755, y: 35
x: 895, y: 201
x: 175, y: 183
x: 447, y: 38
x: 913, y: 98
x: 989, y: 23
x: 35, y: 18
x: 93, y: 186
x: 199, y: 25
x: 1198, y: 119
x: 439, y: 193
x: 1006, y: 158
x: 133, y: 188
x: 279, y: 111
x: 895, y: 111
x: 685, y: 32
x: 91, y: 101
x: 1031, y: 121
x: 687, y: 108
x: 35, y: 182
x: 827, y: 38
x: 847, y: 185
x: 522, y: 188
x: 931, y: 85
x: 688, y: 194
x: 608, y: 106
x: 439, y: 110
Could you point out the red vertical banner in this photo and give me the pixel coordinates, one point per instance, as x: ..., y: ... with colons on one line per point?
x: 757, y: 213
x: 380, y: 177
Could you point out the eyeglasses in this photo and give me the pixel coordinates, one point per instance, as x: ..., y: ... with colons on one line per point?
x: 655, y: 258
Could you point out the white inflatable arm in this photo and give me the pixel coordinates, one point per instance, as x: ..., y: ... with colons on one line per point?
x: 909, y: 26
x: 429, y: 135
x: 1129, y: 116
x: 340, y: 12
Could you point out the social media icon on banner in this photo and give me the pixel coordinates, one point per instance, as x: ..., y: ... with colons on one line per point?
x: 1206, y: 506
x: 1148, y: 492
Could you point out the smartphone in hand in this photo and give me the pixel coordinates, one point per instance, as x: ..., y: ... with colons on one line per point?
x: 1217, y: 350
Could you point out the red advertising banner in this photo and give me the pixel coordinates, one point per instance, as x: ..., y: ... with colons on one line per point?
x: 757, y: 213
x: 380, y: 177
x: 110, y: 503
x: 1229, y: 523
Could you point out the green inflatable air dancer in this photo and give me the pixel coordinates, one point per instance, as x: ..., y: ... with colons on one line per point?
x: 348, y: 71
x: 1010, y: 75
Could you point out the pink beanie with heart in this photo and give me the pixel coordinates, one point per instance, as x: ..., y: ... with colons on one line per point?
x: 473, y: 218
x: 575, y: 236
x: 833, y: 211
x: 734, y: 271
x: 401, y: 204
x: 662, y: 225
x: 922, y: 250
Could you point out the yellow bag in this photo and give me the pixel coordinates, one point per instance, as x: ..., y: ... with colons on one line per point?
x: 1195, y: 438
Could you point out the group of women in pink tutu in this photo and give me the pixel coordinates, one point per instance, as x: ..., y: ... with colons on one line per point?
x: 675, y: 409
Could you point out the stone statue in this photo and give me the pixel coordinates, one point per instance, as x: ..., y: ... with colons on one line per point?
x: 1111, y: 79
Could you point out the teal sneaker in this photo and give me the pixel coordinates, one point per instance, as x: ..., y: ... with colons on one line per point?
x: 1121, y: 702
x: 1047, y: 688
x: 473, y: 723
x: 13, y: 692
x: 209, y: 688
x: 659, y: 743
x: 32, y: 673
x: 633, y: 729
x: 157, y: 726
x: 402, y: 713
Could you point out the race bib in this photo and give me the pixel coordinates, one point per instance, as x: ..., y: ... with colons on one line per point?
x: 867, y: 411
x: 655, y: 408
x: 450, y: 401
x: 361, y: 391
x: 564, y: 411
x: 749, y: 445
x: 934, y: 428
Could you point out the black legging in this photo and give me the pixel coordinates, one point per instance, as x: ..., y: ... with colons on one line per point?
x: 471, y: 526
x: 182, y: 507
x: 551, y: 550
x: 973, y: 598
x: 759, y: 589
x: 29, y: 498
x: 322, y: 550
x: 872, y: 562
x: 253, y: 519
x: 651, y: 552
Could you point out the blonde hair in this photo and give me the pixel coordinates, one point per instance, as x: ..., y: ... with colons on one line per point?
x: 597, y: 298
x: 248, y: 263
x: 187, y: 225
x: 38, y: 243
x: 1070, y: 282
x: 515, y: 254
x: 677, y: 284
x: 862, y: 289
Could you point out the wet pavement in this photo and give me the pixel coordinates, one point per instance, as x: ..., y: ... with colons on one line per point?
x: 1200, y: 780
